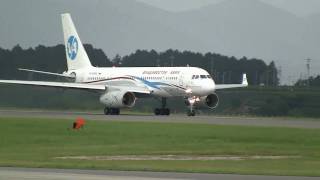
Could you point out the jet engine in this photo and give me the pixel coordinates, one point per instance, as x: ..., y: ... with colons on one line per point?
x: 210, y: 101
x: 118, y: 99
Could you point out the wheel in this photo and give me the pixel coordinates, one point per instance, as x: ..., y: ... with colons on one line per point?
x: 111, y: 111
x: 157, y: 111
x: 106, y: 111
x: 191, y: 113
x: 162, y: 112
x: 115, y: 111
x: 118, y: 111
x: 167, y: 112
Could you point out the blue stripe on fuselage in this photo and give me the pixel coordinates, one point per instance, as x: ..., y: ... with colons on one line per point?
x: 150, y: 84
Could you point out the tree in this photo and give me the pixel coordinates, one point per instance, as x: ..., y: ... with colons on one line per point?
x: 225, y: 69
x: 313, y: 81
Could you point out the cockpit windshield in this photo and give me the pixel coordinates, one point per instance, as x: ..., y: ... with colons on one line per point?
x: 201, y: 77
x: 195, y: 77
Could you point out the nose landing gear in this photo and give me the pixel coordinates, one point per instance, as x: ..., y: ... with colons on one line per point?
x: 190, y: 103
x: 191, y: 112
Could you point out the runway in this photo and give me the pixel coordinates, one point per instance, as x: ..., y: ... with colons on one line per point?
x: 201, y: 119
x: 59, y: 174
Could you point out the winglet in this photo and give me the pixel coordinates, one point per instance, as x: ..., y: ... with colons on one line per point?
x: 244, y: 80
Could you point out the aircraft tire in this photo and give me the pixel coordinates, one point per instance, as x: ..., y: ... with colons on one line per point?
x: 191, y: 113
x: 162, y: 112
x: 111, y: 111
x: 115, y: 111
x: 106, y: 111
x: 166, y: 112
x: 157, y: 111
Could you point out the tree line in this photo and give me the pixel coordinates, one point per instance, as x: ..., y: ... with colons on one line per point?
x: 224, y: 69
x: 310, y: 82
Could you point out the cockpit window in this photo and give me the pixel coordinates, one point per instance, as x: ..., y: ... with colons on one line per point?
x: 203, y: 76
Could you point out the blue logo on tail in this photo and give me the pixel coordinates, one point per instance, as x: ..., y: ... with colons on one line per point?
x: 72, y: 47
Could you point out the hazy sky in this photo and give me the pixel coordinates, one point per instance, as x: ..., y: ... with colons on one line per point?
x: 298, y: 7
x: 179, y: 5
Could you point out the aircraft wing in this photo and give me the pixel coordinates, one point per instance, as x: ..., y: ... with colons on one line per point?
x: 80, y: 86
x: 55, y: 84
x: 47, y: 73
x: 229, y: 86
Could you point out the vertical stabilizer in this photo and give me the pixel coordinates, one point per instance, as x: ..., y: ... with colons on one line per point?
x: 77, y: 57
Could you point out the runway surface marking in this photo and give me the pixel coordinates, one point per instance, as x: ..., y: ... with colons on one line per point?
x: 173, y: 158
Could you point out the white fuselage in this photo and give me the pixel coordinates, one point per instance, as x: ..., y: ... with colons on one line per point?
x: 161, y: 81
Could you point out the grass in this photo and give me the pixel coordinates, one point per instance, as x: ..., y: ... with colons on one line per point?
x: 36, y: 142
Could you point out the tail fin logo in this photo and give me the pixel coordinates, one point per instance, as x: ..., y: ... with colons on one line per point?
x: 72, y: 47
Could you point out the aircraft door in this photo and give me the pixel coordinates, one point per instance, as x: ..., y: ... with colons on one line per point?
x: 181, y: 80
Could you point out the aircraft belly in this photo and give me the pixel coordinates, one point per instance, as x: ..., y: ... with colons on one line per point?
x: 167, y: 91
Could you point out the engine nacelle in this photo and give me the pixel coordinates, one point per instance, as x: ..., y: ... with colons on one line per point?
x: 118, y: 99
x: 211, y: 101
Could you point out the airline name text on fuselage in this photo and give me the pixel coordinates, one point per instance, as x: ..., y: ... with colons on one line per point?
x: 160, y: 72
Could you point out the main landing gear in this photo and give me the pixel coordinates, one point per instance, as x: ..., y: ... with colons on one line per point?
x: 111, y: 111
x: 163, y: 111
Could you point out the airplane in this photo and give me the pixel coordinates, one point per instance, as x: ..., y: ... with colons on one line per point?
x: 119, y: 87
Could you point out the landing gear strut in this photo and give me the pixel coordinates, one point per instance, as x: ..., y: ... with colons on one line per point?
x: 163, y: 111
x: 191, y: 112
x: 111, y: 111
x: 190, y: 103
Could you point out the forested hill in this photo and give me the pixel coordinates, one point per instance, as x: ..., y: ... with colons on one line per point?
x: 224, y: 69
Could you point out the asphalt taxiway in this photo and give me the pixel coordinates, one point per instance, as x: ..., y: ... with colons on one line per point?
x: 60, y: 174
x: 201, y: 119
